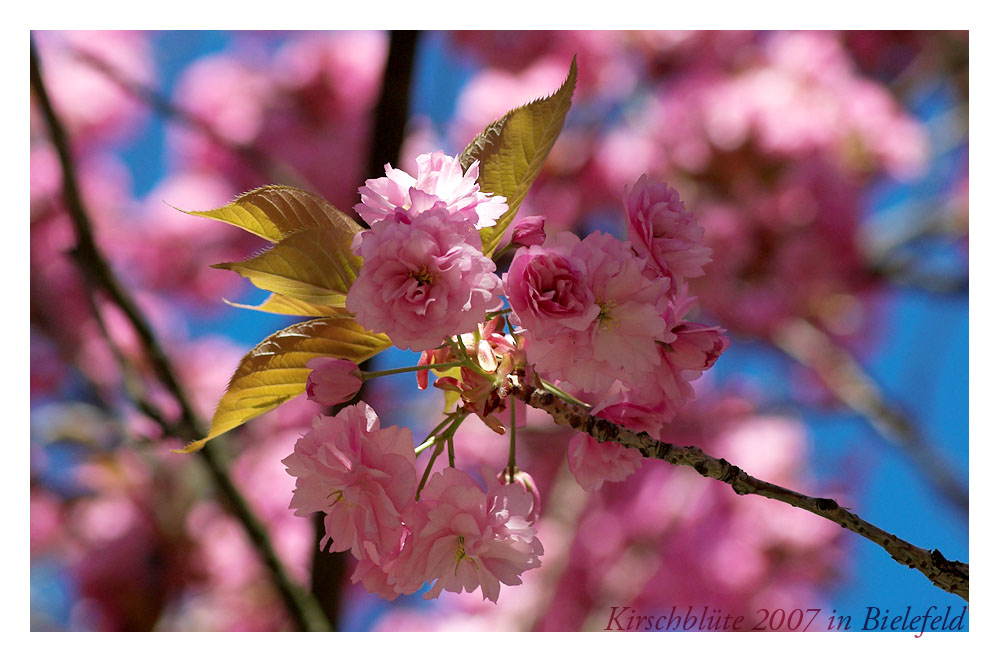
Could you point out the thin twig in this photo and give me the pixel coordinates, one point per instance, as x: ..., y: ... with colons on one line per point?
x: 847, y: 380
x: 273, y: 169
x: 952, y: 576
x: 96, y: 271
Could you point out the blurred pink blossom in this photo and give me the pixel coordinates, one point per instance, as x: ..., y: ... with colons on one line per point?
x: 94, y: 108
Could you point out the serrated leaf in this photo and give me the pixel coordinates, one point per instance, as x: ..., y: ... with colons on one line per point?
x: 274, y: 212
x: 282, y: 305
x: 275, y: 370
x: 314, y: 265
x: 511, y: 152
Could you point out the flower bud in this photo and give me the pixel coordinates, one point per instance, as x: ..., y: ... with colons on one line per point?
x: 524, y: 479
x: 529, y: 231
x: 332, y: 381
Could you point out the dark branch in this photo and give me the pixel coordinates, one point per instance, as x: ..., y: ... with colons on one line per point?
x: 847, y: 380
x: 952, y: 576
x: 388, y: 129
x: 391, y: 112
x: 99, y: 277
x: 274, y: 170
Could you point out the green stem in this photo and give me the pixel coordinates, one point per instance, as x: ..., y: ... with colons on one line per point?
x: 447, y: 436
x: 430, y: 465
x: 413, y: 368
x: 511, y: 462
x: 503, y: 251
x: 559, y: 393
x: 460, y: 350
x: 498, y: 313
x: 431, y: 438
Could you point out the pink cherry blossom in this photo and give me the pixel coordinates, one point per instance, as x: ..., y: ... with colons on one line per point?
x: 593, y: 462
x: 483, y: 391
x: 438, y: 175
x: 465, y: 538
x: 332, y: 381
x: 663, y: 232
x: 527, y: 483
x: 361, y: 475
x: 616, y: 333
x: 695, y: 350
x: 548, y: 291
x: 529, y: 231
x: 420, y: 281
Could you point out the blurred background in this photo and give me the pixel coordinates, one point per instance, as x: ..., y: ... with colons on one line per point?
x: 830, y: 171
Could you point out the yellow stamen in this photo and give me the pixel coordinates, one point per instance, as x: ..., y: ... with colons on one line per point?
x: 604, y: 318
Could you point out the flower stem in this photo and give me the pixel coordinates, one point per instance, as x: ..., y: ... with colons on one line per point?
x: 461, y: 351
x: 511, y: 463
x: 430, y: 465
x: 559, y: 393
x: 431, y: 438
x: 498, y: 313
x: 413, y: 368
x: 446, y: 437
x: 458, y: 348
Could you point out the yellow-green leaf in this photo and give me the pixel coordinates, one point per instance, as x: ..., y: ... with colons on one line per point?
x: 274, y: 212
x: 282, y: 305
x: 314, y: 265
x: 275, y: 370
x: 511, y: 151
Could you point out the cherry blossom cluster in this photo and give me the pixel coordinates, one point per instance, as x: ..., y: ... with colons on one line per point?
x: 595, y: 320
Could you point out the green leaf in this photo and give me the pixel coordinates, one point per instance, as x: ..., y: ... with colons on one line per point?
x: 512, y: 149
x: 282, y: 305
x: 275, y: 370
x: 314, y: 265
x: 274, y: 212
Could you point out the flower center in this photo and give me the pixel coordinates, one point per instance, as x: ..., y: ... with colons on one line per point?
x: 423, y: 277
x: 460, y: 554
x: 605, y: 320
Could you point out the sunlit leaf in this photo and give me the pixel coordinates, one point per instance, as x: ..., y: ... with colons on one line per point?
x: 450, y: 397
x: 275, y: 370
x: 282, y: 305
x: 274, y: 212
x: 314, y: 265
x: 511, y: 151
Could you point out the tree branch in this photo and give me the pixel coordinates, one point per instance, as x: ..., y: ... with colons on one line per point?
x: 273, y: 169
x: 951, y: 576
x: 329, y: 569
x: 97, y: 272
x: 392, y: 109
x: 847, y: 380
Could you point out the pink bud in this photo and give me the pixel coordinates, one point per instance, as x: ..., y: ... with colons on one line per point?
x: 529, y: 231
x: 332, y: 381
x: 524, y: 479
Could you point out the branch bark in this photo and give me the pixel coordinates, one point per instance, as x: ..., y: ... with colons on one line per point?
x: 99, y: 276
x: 847, y: 380
x: 951, y: 576
x: 392, y: 109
